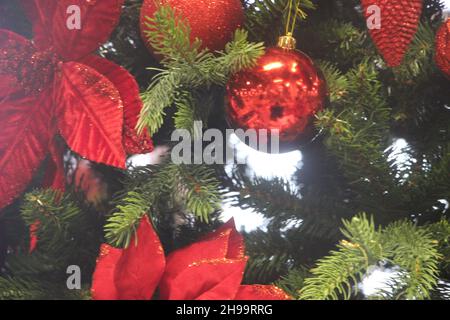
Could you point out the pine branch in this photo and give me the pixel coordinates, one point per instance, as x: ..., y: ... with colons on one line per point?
x: 60, y: 222
x: 121, y: 226
x: 190, y: 69
x: 341, y: 43
x: 337, y: 274
x: 264, y: 270
x: 194, y: 188
x: 415, y: 251
x: 419, y: 59
x: 292, y: 281
x: 441, y: 232
x: 279, y: 203
x: 169, y: 36
x: 357, y: 135
x: 270, y: 256
x: 239, y: 54
x: 191, y: 107
x: 263, y: 15
x: 336, y: 81
x: 403, y: 244
x: 21, y: 289
x: 66, y: 236
x: 199, y: 188
x: 186, y: 112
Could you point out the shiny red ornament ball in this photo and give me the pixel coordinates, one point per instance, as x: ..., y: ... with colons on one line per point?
x: 212, y: 21
x: 284, y: 91
x: 443, y: 48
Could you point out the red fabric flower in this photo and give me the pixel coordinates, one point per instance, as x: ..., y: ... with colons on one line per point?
x: 54, y: 84
x: 211, y: 269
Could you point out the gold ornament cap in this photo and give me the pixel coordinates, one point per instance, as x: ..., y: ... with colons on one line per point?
x: 287, y: 42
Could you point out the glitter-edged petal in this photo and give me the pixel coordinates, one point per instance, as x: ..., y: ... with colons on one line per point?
x: 216, y: 263
x: 14, y: 49
x: 212, y: 248
x: 214, y: 279
x: 132, y: 273
x: 90, y: 114
x: 141, y: 265
x: 261, y: 292
x: 129, y: 92
x: 103, y: 286
x: 235, y: 248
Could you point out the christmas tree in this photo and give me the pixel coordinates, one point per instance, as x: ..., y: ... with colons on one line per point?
x: 101, y: 197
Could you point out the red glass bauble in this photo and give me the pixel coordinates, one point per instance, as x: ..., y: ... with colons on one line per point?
x: 212, y: 21
x: 284, y: 91
x: 443, y: 48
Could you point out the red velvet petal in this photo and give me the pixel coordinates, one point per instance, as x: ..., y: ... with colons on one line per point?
x: 24, y: 138
x: 141, y: 266
x: 55, y: 176
x: 98, y: 19
x: 214, y: 248
x: 204, y: 280
x: 224, y: 243
x: 131, y: 273
x: 261, y: 292
x: 14, y: 49
x: 40, y: 13
x: 228, y: 286
x: 91, y: 114
x: 129, y: 92
x: 236, y: 248
x: 103, y: 286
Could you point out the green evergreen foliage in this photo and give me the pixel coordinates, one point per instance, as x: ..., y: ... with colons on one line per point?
x: 267, y: 19
x: 317, y: 244
x: 188, y: 68
x: 66, y: 236
x: 403, y: 244
x: 192, y: 188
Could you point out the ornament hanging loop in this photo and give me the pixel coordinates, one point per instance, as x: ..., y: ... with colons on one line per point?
x: 288, y: 42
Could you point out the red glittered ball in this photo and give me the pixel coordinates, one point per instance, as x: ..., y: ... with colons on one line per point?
x: 212, y: 21
x: 443, y: 48
x: 399, y: 20
x: 284, y: 91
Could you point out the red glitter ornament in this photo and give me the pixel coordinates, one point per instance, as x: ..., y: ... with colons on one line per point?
x: 284, y: 91
x: 443, y: 48
x: 399, y: 23
x: 53, y: 85
x: 212, y: 21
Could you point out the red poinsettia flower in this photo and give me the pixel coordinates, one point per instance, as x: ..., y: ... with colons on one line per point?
x: 55, y: 85
x: 211, y: 269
